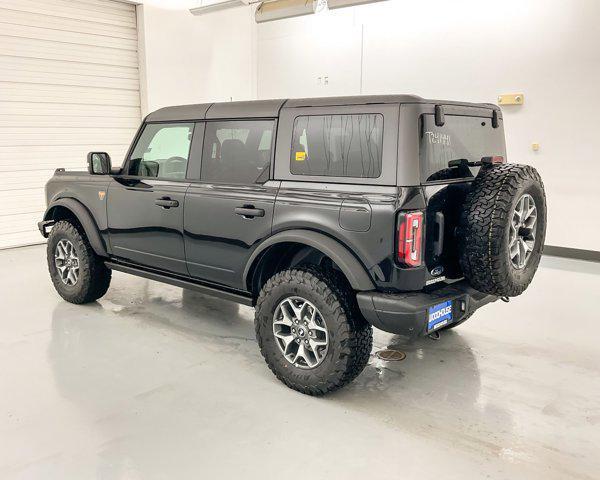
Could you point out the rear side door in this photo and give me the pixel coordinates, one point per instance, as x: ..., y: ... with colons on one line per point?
x: 145, y: 203
x: 229, y: 208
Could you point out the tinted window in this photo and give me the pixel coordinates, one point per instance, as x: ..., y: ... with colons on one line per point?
x: 337, y: 145
x: 162, y: 151
x: 469, y: 138
x: 237, y: 151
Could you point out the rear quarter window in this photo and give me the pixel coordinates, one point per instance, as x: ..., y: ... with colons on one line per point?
x: 337, y: 145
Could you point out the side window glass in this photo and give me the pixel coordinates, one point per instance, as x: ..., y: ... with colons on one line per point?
x: 237, y: 151
x: 162, y: 151
x: 337, y: 145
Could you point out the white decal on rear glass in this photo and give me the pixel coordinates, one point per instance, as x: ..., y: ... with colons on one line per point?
x: 436, y: 137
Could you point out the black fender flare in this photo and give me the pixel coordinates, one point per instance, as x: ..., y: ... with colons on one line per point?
x: 85, y: 219
x: 354, y: 271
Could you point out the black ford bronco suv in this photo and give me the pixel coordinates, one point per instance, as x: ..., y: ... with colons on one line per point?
x: 328, y: 215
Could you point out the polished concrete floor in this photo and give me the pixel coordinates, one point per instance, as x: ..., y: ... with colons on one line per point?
x: 156, y: 382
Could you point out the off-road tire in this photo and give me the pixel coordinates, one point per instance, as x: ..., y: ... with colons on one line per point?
x: 483, y: 232
x: 94, y: 276
x: 350, y: 336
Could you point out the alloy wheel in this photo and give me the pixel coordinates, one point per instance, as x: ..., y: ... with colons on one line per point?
x: 67, y: 262
x: 522, y: 231
x: 300, y: 332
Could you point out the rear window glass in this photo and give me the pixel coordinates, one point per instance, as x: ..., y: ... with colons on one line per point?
x: 469, y: 138
x: 337, y: 145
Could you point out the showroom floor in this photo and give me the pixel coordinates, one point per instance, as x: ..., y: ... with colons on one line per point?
x: 156, y: 382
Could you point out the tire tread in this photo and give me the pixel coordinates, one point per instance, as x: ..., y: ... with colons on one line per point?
x: 482, y: 226
x: 94, y: 276
x: 355, y: 333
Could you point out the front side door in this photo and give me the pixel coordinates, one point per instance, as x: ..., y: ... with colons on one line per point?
x: 145, y: 203
x: 230, y: 209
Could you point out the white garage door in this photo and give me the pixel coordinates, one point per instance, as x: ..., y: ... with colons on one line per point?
x: 69, y: 84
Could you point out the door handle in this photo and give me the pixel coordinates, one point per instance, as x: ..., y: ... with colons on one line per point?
x: 248, y: 211
x: 166, y: 202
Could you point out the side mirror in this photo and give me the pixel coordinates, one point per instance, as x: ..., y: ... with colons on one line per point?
x: 98, y: 163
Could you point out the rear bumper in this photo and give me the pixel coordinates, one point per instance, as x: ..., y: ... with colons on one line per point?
x: 407, y: 313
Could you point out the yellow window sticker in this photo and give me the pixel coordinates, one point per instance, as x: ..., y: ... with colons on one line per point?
x: 300, y: 156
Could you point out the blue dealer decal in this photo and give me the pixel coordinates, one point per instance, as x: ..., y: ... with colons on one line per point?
x: 439, y: 315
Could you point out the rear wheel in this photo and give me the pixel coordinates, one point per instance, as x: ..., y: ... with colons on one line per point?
x: 310, y: 331
x: 78, y: 274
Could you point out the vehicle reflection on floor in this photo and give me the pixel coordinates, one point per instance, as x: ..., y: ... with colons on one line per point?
x: 156, y: 382
x: 95, y: 361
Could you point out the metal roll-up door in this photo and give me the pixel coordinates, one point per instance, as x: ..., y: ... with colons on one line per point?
x: 69, y: 84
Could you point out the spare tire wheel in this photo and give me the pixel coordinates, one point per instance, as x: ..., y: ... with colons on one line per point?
x: 502, y: 229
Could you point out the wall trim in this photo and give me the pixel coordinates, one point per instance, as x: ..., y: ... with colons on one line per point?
x: 575, y: 253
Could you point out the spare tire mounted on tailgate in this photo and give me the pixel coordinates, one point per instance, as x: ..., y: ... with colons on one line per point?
x: 502, y: 229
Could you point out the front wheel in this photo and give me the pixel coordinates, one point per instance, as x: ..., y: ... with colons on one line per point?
x: 78, y: 274
x: 310, y: 331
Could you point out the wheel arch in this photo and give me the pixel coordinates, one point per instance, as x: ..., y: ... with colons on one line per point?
x: 64, y: 208
x: 339, y: 254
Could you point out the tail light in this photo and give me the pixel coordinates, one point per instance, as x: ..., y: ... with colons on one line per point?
x: 410, y: 236
x: 496, y: 160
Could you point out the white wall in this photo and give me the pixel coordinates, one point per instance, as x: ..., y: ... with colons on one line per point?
x: 293, y: 54
x: 195, y: 59
x: 460, y: 50
x: 467, y: 50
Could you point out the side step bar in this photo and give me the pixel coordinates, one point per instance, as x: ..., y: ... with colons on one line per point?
x: 179, y: 282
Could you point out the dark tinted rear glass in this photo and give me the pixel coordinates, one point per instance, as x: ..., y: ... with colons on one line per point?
x: 469, y: 138
x: 337, y: 145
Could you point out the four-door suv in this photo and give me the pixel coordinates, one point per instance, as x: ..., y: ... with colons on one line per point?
x: 328, y: 215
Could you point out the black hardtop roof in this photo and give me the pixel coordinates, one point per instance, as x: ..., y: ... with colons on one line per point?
x: 271, y: 108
